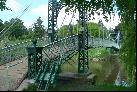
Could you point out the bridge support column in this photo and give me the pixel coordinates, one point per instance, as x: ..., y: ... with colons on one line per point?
x: 34, y: 60
x: 52, y: 18
x: 83, y: 41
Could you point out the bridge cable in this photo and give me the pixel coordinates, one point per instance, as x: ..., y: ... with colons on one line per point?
x: 76, y: 23
x: 11, y: 26
x: 62, y: 21
x: 23, y: 12
x: 17, y: 20
x: 71, y: 19
x: 65, y: 18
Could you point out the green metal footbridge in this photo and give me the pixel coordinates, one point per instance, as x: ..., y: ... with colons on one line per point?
x: 46, y: 55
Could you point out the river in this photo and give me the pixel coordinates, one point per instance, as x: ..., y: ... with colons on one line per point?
x: 110, y: 71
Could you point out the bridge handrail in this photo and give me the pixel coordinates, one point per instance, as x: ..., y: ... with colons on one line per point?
x: 60, y: 40
x: 18, y: 51
x: 21, y: 43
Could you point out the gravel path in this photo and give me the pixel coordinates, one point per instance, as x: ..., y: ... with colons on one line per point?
x: 9, y: 78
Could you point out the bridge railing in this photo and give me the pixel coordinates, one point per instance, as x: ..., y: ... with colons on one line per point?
x: 53, y: 55
x: 18, y: 51
x: 59, y: 49
x: 114, y: 37
x: 13, y: 63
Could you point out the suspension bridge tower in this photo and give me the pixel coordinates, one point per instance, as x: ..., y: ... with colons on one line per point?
x: 52, y: 18
x: 53, y: 10
x: 83, y: 40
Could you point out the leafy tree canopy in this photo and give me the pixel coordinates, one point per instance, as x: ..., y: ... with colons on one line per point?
x: 3, y: 5
x: 17, y: 30
x: 39, y: 29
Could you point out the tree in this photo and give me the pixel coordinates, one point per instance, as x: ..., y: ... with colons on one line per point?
x: 39, y: 30
x: 63, y: 31
x: 3, y: 5
x: 1, y: 25
x: 17, y: 30
x: 93, y: 30
x: 30, y: 33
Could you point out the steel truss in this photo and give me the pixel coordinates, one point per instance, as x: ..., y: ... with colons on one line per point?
x: 83, y: 40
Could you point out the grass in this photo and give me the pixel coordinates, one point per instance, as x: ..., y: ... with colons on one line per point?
x: 7, y: 42
x: 98, y: 52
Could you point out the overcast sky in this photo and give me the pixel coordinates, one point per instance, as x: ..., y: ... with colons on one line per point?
x: 39, y: 8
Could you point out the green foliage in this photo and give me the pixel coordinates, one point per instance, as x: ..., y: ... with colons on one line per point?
x: 93, y: 30
x: 96, y: 30
x: 98, y: 52
x: 92, y: 6
x: 128, y: 50
x: 30, y: 34
x: 3, y: 5
x: 38, y: 28
x: 128, y: 30
x: 16, y: 31
x: 1, y: 25
x: 63, y: 31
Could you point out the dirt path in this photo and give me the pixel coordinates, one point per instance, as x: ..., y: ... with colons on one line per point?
x: 9, y: 78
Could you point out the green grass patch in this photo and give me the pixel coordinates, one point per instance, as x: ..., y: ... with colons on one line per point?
x: 98, y: 52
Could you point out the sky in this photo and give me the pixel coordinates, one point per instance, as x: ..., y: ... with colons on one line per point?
x: 39, y: 8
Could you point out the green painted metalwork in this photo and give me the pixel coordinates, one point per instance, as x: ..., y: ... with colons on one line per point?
x: 53, y: 10
x: 83, y: 41
x: 17, y: 51
x: 55, y: 54
x: 46, y: 79
x: 34, y: 60
x: 52, y: 18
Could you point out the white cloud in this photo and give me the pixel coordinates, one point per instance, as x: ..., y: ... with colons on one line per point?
x: 110, y: 24
x: 115, y: 20
x: 67, y: 18
x: 13, y: 4
x: 27, y: 24
x: 42, y: 10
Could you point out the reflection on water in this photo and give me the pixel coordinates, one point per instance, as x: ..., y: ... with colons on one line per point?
x: 109, y: 71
